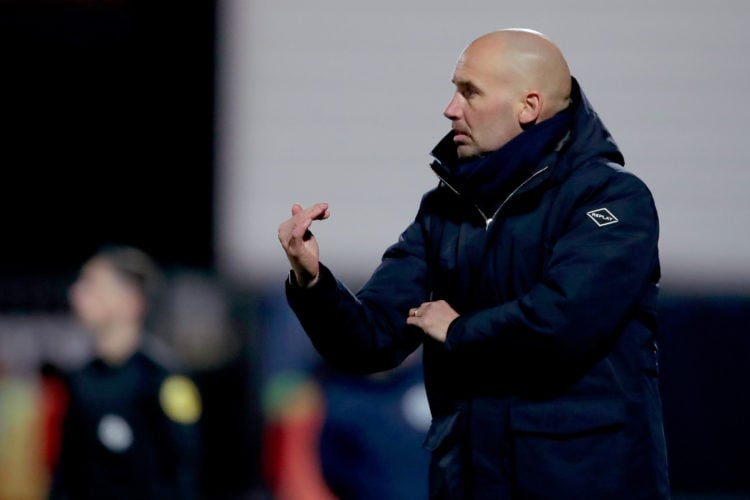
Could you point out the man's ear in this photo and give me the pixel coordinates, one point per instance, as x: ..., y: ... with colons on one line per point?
x: 532, y: 108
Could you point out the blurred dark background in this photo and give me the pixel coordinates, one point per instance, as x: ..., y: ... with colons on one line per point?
x: 107, y: 134
x: 106, y: 127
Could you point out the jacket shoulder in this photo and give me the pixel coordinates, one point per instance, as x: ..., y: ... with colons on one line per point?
x: 603, y: 178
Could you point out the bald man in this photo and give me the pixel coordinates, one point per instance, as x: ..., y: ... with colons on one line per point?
x: 529, y: 276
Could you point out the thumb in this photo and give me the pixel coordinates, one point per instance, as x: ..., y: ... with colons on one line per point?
x: 296, y: 208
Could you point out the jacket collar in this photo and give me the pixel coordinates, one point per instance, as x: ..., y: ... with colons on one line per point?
x: 490, y: 179
x: 576, y: 131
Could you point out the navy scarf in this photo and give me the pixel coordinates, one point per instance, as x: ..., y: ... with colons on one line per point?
x: 489, y: 179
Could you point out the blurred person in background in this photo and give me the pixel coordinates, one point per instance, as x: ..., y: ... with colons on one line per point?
x: 130, y: 429
x: 529, y: 276
x: 214, y: 338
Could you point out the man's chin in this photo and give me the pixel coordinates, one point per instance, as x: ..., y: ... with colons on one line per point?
x: 466, y: 152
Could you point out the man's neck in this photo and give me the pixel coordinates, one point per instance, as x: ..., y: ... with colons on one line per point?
x: 117, y: 343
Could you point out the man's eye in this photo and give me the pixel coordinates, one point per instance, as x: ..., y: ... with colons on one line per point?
x: 468, y: 93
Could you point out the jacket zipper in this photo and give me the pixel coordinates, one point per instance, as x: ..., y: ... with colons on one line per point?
x: 531, y: 177
x: 488, y: 220
x: 476, y: 207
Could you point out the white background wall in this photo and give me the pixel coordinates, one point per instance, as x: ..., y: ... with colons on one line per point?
x: 341, y: 101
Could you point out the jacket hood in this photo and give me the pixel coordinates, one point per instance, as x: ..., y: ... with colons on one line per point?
x: 589, y: 138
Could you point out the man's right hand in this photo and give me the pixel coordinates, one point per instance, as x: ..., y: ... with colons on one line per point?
x: 300, y: 245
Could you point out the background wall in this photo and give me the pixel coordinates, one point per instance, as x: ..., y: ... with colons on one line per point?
x: 341, y: 101
x: 107, y: 137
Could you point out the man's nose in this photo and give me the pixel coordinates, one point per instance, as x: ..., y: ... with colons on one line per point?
x: 453, y: 111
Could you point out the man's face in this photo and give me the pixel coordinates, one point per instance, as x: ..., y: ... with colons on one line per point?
x: 486, y: 106
x: 100, y: 297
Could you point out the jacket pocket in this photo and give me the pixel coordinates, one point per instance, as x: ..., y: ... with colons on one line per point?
x: 569, y: 449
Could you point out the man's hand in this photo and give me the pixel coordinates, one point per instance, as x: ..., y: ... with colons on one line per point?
x: 433, y: 318
x: 300, y: 245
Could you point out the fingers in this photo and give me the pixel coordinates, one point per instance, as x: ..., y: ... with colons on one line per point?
x: 300, y: 228
x: 434, y: 318
x: 319, y: 211
x: 299, y: 244
x: 416, y: 315
x: 421, y: 310
x: 301, y: 220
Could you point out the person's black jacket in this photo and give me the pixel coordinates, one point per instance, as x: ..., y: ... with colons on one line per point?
x: 546, y: 386
x: 129, y: 432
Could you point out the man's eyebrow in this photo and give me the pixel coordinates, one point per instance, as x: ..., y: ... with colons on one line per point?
x: 464, y: 83
x: 461, y: 81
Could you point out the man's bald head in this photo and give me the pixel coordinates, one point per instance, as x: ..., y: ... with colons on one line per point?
x: 505, y: 82
x: 530, y: 58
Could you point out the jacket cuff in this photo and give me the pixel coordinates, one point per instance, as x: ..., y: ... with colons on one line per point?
x: 297, y: 294
x: 452, y: 337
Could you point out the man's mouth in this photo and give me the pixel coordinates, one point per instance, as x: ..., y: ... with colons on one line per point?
x: 459, y: 136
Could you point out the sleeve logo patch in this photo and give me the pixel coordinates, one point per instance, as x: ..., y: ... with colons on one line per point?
x: 602, y: 217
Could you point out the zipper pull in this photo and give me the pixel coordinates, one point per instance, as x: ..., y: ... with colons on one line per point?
x: 489, y: 221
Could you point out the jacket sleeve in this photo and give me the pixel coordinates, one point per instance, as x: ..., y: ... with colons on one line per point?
x: 594, y: 279
x: 367, y: 332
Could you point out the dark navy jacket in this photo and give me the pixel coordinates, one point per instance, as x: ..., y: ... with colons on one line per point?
x: 118, y: 442
x: 546, y: 386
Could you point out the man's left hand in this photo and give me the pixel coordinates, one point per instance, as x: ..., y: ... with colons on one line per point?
x: 433, y: 318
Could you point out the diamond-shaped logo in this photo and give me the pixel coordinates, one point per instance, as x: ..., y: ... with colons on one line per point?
x: 602, y: 217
